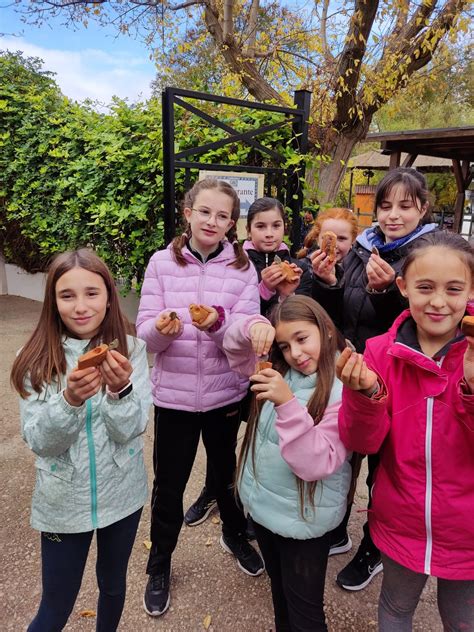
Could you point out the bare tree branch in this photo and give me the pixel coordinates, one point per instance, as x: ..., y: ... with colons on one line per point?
x: 410, y: 58
x: 250, y: 76
x: 252, y: 29
x: 228, y: 22
x: 350, y: 61
x: 323, y: 31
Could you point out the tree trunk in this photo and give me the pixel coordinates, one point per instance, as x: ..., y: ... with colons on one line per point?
x: 338, y: 146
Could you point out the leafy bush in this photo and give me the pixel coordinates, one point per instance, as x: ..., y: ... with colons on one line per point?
x: 71, y: 176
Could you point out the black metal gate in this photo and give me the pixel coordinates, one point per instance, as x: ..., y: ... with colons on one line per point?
x: 286, y: 182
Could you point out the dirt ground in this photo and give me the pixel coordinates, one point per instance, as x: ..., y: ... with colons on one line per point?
x: 205, y: 582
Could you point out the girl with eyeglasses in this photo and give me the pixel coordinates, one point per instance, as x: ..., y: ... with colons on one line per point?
x: 194, y: 389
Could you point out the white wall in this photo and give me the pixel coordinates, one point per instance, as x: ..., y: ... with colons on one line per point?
x: 17, y: 282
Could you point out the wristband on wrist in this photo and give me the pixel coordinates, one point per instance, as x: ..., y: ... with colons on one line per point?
x: 220, y: 319
x: 120, y: 394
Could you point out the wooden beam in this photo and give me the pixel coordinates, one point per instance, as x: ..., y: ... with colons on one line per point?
x: 394, y: 160
x: 409, y: 160
x: 458, y: 211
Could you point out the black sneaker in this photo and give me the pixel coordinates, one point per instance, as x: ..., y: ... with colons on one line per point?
x: 247, y: 557
x: 200, y: 510
x: 342, y: 546
x: 360, y: 571
x: 156, y: 599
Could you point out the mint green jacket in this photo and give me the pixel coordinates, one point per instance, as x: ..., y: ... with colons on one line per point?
x: 90, y: 471
x: 270, y: 492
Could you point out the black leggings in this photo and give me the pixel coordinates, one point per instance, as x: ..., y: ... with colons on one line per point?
x: 64, y: 557
x: 177, y: 435
x: 297, y: 571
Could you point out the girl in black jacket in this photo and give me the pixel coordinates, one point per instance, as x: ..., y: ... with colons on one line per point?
x: 363, y: 300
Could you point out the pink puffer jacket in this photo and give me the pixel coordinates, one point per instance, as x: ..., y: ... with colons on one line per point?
x: 423, y: 427
x: 191, y: 371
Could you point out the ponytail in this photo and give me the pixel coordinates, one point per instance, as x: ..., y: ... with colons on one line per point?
x: 178, y: 244
x: 241, y: 259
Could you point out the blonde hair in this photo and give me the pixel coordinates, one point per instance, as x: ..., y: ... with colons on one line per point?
x: 330, y: 213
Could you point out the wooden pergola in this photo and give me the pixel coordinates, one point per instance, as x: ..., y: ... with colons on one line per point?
x: 454, y: 143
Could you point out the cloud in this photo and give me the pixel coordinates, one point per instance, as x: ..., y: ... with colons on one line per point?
x: 91, y: 73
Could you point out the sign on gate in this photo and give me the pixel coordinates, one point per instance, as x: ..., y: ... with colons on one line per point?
x: 249, y: 186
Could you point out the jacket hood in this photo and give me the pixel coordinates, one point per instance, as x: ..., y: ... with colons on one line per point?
x: 363, y: 240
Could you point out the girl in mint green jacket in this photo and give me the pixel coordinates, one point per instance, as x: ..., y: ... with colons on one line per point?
x: 85, y: 427
x: 293, y: 471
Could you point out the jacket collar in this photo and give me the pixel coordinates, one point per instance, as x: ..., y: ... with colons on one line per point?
x: 404, y: 343
x: 248, y: 245
x: 226, y: 253
x: 75, y: 345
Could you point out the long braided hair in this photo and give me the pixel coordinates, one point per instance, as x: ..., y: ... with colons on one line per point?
x: 178, y: 243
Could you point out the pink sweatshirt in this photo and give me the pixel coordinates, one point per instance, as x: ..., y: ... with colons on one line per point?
x: 312, y: 452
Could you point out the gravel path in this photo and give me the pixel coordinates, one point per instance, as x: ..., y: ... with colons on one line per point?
x: 206, y: 581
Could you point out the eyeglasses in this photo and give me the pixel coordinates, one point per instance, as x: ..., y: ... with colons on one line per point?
x: 205, y: 215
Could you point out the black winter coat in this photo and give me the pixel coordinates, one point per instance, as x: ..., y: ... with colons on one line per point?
x: 357, y: 313
x: 262, y: 260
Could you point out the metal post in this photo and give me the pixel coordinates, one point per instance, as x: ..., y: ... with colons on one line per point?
x: 302, y: 101
x: 351, y: 181
x: 169, y: 204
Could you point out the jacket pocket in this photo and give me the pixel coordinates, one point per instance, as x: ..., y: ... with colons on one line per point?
x: 54, y: 485
x: 126, y: 452
x: 130, y: 477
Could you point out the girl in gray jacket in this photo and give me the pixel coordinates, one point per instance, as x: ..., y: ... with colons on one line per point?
x: 85, y: 427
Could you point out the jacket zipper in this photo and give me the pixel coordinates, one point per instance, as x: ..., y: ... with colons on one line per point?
x: 92, y: 463
x: 429, y: 480
x: 199, y: 343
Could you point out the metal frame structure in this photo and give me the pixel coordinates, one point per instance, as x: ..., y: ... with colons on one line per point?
x: 287, y: 182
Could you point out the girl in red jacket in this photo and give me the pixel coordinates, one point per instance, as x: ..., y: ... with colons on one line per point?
x: 411, y: 397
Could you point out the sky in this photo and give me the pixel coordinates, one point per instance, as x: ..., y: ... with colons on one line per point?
x: 90, y: 63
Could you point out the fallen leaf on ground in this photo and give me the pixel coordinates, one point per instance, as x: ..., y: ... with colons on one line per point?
x: 208, y: 542
x: 215, y: 520
x: 87, y: 613
x: 147, y: 544
x: 207, y: 621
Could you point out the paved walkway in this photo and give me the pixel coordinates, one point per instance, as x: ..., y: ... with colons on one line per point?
x: 206, y: 581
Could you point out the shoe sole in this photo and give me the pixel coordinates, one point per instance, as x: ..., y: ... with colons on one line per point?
x: 378, y: 569
x: 203, y: 518
x: 156, y: 613
x: 337, y: 550
x: 227, y: 550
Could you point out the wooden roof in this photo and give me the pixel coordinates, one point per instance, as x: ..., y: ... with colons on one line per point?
x: 453, y: 142
x: 377, y: 160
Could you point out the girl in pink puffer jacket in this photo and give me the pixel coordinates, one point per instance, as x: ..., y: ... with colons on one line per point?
x: 194, y: 389
x: 412, y: 399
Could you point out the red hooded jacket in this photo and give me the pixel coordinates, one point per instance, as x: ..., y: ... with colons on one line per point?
x: 422, y: 513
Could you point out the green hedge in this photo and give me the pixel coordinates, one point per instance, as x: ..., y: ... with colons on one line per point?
x: 71, y: 176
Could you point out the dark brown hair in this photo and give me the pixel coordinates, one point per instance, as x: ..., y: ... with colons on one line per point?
x: 178, y: 243
x: 330, y: 213
x: 42, y: 358
x: 441, y: 239
x: 264, y: 204
x: 299, y: 308
x: 415, y: 187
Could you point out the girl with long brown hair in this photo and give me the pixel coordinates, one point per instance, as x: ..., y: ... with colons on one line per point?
x: 85, y: 427
x: 293, y: 473
x: 194, y: 390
